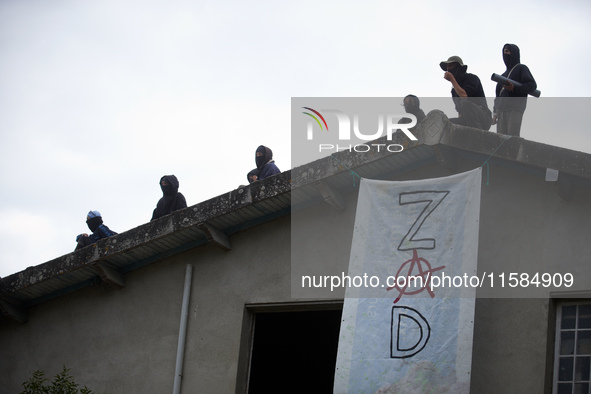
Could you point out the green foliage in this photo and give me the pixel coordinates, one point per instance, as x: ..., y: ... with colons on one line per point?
x: 63, y: 383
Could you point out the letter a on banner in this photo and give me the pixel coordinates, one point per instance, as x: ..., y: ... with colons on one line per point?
x: 414, y: 336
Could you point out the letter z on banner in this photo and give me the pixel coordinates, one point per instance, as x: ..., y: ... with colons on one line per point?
x: 412, y: 333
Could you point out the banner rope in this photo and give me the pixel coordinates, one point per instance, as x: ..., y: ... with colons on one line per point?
x: 353, y: 173
x: 495, y: 151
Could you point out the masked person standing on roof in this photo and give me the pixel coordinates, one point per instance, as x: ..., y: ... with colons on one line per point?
x: 265, y: 163
x: 511, y: 100
x: 467, y: 94
x: 172, y: 199
x: 94, y: 221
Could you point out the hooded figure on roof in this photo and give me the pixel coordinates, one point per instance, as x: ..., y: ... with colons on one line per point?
x: 511, y: 100
x: 171, y: 200
x: 265, y: 163
x: 94, y: 221
x: 467, y: 94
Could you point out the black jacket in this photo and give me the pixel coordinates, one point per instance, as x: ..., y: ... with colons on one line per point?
x: 517, y: 99
x: 473, y: 87
x: 172, y: 199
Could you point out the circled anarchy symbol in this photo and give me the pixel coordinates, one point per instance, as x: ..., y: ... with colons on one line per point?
x: 417, y: 263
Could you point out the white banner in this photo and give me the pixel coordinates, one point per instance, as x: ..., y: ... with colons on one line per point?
x: 408, y: 315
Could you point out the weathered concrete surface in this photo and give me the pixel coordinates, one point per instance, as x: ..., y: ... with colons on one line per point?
x: 195, y: 216
x: 435, y: 130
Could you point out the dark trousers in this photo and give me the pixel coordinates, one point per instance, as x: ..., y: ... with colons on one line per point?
x: 509, y: 123
x: 473, y: 115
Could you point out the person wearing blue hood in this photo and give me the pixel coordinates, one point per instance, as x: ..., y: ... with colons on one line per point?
x: 265, y: 163
x: 94, y: 221
x: 171, y: 200
x: 511, y: 100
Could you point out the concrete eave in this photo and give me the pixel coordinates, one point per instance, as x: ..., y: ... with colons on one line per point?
x: 215, y: 220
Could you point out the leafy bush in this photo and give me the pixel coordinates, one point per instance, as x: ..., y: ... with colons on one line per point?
x: 63, y: 383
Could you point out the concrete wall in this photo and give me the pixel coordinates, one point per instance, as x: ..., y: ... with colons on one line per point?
x: 124, y: 341
x: 513, y: 345
x: 113, y: 340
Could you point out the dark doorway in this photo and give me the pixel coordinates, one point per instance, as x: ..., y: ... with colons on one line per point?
x: 294, y: 352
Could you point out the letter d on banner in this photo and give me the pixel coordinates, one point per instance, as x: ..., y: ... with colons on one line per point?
x: 410, y: 332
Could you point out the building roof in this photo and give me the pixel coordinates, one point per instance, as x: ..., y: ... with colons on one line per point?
x: 324, y: 180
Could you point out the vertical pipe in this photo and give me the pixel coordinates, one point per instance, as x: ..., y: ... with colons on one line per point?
x: 180, y: 353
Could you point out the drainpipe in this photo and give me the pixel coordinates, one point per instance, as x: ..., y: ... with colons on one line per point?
x: 180, y: 353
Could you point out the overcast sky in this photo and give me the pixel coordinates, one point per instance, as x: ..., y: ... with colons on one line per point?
x: 98, y: 100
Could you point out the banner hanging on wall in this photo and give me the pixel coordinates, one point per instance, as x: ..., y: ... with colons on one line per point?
x: 408, y: 326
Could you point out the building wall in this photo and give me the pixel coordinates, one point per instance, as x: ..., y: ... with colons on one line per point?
x: 511, y: 352
x: 125, y: 341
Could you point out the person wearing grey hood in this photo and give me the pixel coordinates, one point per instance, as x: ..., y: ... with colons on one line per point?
x: 171, y: 200
x: 511, y: 100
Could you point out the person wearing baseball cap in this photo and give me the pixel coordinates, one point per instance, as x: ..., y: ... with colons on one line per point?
x: 467, y: 94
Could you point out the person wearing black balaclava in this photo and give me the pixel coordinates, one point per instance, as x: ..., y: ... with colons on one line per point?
x: 94, y: 221
x: 172, y: 200
x: 265, y: 163
x: 412, y: 105
x: 511, y: 100
x: 467, y: 94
